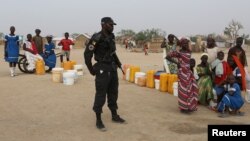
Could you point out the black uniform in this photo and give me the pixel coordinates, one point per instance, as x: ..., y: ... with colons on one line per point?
x: 105, y: 69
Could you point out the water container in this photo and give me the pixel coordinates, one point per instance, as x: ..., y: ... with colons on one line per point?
x: 133, y: 70
x: 68, y: 78
x: 72, y: 64
x: 175, y: 88
x: 139, y: 74
x: 67, y: 65
x: 171, y: 79
x: 247, y: 96
x: 141, y: 81
x: 57, y: 75
x: 79, y: 69
x: 150, y: 79
x: 164, y: 82
x: 75, y: 74
x: 124, y: 68
x: 40, y: 67
x: 157, y: 84
x: 127, y: 74
x: 157, y: 74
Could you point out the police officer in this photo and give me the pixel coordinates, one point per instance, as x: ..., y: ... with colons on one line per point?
x: 102, y: 45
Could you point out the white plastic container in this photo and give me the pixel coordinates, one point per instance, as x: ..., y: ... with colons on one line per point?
x: 175, y: 88
x: 79, y: 69
x: 68, y: 78
x: 157, y: 84
x: 127, y: 74
x: 75, y: 74
x: 139, y: 74
x: 57, y: 75
x: 247, y: 96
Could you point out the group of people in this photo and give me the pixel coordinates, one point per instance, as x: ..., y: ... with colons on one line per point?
x: 195, y: 85
x: 35, y: 49
x: 213, y: 82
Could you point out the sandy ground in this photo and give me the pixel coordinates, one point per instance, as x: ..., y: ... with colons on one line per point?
x: 33, y: 108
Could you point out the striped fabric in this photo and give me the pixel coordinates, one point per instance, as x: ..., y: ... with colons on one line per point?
x: 187, y: 87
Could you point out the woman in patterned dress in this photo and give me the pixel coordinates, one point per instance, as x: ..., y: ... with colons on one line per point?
x: 205, y: 81
x: 11, y: 50
x: 169, y: 46
x: 187, y: 87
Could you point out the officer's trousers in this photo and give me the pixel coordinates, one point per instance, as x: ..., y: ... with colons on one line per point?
x: 106, y: 83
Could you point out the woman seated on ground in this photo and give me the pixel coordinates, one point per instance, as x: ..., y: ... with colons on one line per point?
x: 232, y: 101
x: 31, y: 53
x: 205, y: 94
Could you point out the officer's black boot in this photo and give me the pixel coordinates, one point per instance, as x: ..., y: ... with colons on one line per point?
x: 116, y: 118
x: 99, y: 124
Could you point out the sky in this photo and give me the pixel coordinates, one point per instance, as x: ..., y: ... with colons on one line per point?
x: 180, y: 17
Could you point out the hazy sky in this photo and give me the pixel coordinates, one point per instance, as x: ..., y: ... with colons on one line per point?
x: 181, y: 17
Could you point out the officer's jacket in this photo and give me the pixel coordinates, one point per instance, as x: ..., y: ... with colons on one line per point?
x: 102, y: 47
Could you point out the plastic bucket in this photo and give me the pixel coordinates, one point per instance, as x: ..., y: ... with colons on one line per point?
x: 79, y: 69
x: 175, y: 88
x: 57, y: 75
x: 68, y: 78
x: 247, y: 96
x: 75, y: 74
x: 139, y: 74
x: 157, y: 84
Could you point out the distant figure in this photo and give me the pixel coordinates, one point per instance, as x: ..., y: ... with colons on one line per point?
x: 11, y: 52
x: 169, y: 46
x: 38, y: 40
x: 232, y: 100
x: 145, y: 48
x: 211, y: 50
x: 65, y: 43
x: 187, y: 87
x: 31, y: 53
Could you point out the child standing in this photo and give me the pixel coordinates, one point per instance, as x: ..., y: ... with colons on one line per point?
x: 65, y: 43
x: 145, y: 48
x: 12, y: 50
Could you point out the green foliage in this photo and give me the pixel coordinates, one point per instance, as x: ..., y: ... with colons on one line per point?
x: 126, y: 33
x: 141, y: 36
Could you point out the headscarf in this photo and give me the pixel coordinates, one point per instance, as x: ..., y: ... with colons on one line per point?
x: 204, y: 54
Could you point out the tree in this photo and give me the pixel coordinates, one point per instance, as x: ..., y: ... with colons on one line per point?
x: 232, y: 31
x: 126, y: 33
x: 148, y: 34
